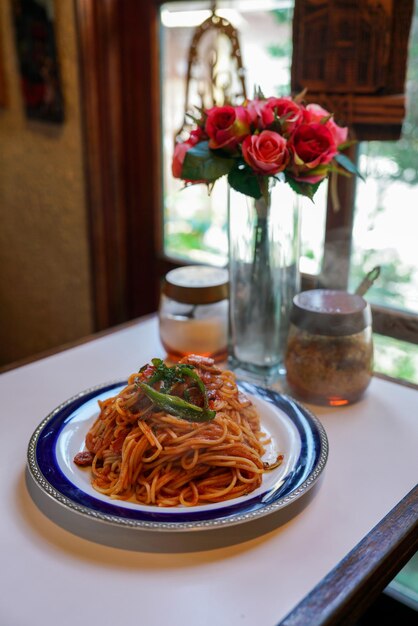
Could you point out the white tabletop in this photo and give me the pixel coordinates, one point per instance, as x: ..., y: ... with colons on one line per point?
x: 51, y: 576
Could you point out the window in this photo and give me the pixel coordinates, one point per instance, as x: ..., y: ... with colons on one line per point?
x: 381, y: 214
x: 194, y: 222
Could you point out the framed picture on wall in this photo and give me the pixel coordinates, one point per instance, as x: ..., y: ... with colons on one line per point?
x: 37, y: 57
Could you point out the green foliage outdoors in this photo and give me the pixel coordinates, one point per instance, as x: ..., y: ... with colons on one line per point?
x: 395, y: 358
x: 393, y: 274
x: 282, y: 16
x: 408, y: 577
x: 181, y: 243
x: 280, y: 49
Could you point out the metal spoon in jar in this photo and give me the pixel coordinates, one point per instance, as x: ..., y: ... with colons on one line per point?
x: 368, y: 281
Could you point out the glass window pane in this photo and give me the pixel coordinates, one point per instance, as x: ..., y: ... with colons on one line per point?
x: 395, y: 358
x: 194, y: 222
x: 313, y: 217
x: 386, y: 212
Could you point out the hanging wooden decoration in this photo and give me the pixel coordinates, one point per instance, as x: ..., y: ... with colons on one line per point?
x: 351, y: 57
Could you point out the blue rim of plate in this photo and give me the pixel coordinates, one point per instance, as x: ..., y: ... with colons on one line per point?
x: 44, y: 469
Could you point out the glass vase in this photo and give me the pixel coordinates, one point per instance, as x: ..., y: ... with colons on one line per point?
x: 264, y: 278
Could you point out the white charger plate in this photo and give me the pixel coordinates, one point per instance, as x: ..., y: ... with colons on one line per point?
x: 294, y: 431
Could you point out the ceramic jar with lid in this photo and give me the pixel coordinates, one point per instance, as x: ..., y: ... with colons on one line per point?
x: 193, y: 312
x: 329, y: 355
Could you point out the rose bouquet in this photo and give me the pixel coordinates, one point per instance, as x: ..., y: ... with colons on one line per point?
x: 255, y: 145
x: 262, y: 141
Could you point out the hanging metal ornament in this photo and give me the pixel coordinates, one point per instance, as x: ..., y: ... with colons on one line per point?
x: 215, y: 72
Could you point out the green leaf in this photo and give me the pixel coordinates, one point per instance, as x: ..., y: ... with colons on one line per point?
x: 300, y: 96
x: 347, y: 144
x: 201, y: 163
x: 258, y: 94
x: 243, y: 179
x: 326, y: 119
x: 339, y: 170
x: 345, y: 162
x: 303, y: 189
x: 276, y: 125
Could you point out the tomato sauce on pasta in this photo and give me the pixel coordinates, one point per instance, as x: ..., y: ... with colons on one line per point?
x: 140, y: 450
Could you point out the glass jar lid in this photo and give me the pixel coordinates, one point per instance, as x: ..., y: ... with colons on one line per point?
x: 330, y: 312
x: 196, y: 284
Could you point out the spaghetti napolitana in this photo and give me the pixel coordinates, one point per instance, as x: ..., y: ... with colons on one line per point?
x: 176, y: 436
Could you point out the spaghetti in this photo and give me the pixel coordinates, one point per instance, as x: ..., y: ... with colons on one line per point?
x: 183, y: 435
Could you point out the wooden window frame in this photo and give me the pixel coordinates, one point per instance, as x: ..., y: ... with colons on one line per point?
x: 118, y: 58
x: 120, y: 98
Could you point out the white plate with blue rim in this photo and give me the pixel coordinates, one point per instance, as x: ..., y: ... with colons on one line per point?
x: 294, y: 432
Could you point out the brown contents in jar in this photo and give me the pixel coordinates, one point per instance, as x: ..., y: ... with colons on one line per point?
x: 333, y: 370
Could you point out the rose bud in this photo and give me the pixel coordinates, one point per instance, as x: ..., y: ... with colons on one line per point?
x: 311, y: 146
x: 284, y: 108
x: 226, y: 126
x: 314, y: 113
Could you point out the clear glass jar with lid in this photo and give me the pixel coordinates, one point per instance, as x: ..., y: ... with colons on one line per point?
x: 193, y: 312
x: 329, y: 355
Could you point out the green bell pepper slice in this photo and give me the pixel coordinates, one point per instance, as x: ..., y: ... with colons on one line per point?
x: 177, y: 406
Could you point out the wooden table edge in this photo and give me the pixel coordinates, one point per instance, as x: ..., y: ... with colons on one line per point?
x: 350, y: 588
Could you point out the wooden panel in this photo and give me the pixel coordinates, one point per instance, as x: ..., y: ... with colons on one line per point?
x: 100, y: 77
x: 3, y: 90
x: 118, y: 57
x: 338, y: 232
x: 351, y: 56
x: 141, y: 104
x: 395, y: 323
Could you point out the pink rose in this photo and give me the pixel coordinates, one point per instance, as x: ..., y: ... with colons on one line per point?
x: 268, y: 110
x: 226, y: 126
x: 314, y: 113
x: 180, y: 150
x: 312, y: 147
x: 179, y: 155
x: 266, y: 153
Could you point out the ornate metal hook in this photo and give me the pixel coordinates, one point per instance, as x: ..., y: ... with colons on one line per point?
x: 212, y: 84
